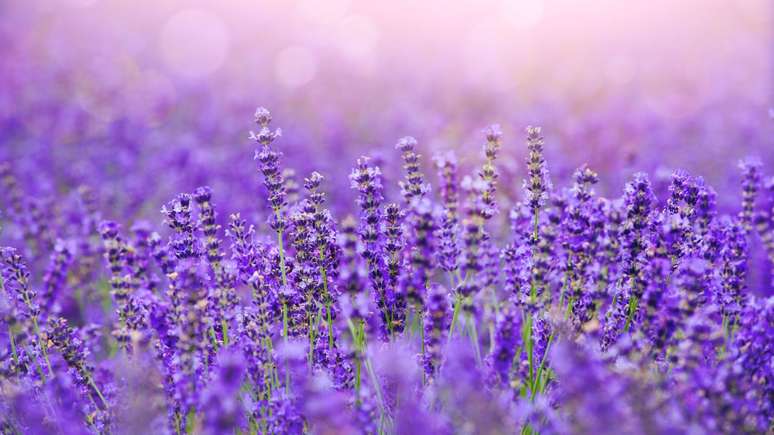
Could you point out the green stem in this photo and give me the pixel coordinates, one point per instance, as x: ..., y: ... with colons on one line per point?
x: 213, y: 338
x: 190, y: 422
x: 285, y: 339
x: 535, y: 220
x: 541, y: 387
x: 224, y: 331
x: 474, y: 337
x: 455, y: 314
x: 633, y: 301
x: 13, y: 346
x: 377, y: 387
x: 567, y: 312
x: 327, y: 297
x: 358, y: 337
x: 530, y: 345
x: 42, y: 345
x: 178, y: 422
x: 330, y: 324
x: 93, y: 385
x: 283, y: 271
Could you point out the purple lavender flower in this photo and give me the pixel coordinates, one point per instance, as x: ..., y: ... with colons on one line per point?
x: 179, y: 218
x: 414, y: 186
x: 751, y: 180
x: 415, y: 278
x: 764, y: 222
x: 449, y: 251
x: 438, y: 319
x: 220, y: 401
x: 366, y: 179
x: 70, y: 347
x: 268, y: 160
x: 242, y: 246
x: 507, y: 341
x: 538, y: 184
x: 353, y: 277
x: 579, y: 242
x: 55, y: 278
x: 639, y: 199
x: 472, y: 237
x: 15, y: 283
x: 488, y: 172
x: 393, y: 249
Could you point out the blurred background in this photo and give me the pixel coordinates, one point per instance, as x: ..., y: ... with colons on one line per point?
x: 141, y: 100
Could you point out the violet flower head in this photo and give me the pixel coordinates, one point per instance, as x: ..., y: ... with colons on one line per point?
x: 751, y: 180
x: 268, y: 163
x: 414, y: 186
x: 764, y: 221
x: 55, y: 277
x: 449, y: 250
x: 473, y: 235
x: 70, y: 346
x: 178, y: 216
x: 292, y: 188
x: 367, y: 180
x: 242, y: 246
x: 437, y: 321
x: 16, y: 282
x: 638, y: 200
x: 733, y: 267
x: 221, y: 404
x: 312, y: 185
x: 393, y: 250
x: 207, y: 226
x: 488, y: 171
x: 538, y: 183
x: 595, y: 402
x: 422, y: 254
x: 507, y: 339
x: 353, y: 277
x: 706, y: 207
x: 677, y: 190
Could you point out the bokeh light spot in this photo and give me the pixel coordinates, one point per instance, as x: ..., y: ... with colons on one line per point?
x: 194, y: 43
x: 295, y: 66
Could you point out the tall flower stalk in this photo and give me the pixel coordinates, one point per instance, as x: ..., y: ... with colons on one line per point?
x: 268, y: 163
x: 537, y: 186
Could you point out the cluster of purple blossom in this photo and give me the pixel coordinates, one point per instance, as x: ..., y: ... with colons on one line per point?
x: 436, y: 313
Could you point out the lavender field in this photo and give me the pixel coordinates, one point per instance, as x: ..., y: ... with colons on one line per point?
x: 494, y: 217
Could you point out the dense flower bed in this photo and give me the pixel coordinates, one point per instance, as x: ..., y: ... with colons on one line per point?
x: 449, y: 308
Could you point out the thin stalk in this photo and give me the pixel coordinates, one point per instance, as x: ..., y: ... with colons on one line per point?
x: 178, y: 422
x: 285, y: 339
x: 190, y: 422
x: 35, y: 328
x: 213, y: 338
x: 535, y: 220
x: 529, y: 345
x: 358, y: 337
x: 330, y: 324
x: 570, y: 303
x: 283, y: 272
x: 93, y: 385
x: 42, y: 345
x: 13, y: 346
x: 327, y: 298
x: 224, y: 331
x: 377, y: 387
x: 455, y: 314
x: 540, y: 388
x: 633, y: 302
x: 474, y: 337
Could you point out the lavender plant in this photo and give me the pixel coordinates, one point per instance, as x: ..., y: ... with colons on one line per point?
x: 645, y: 313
